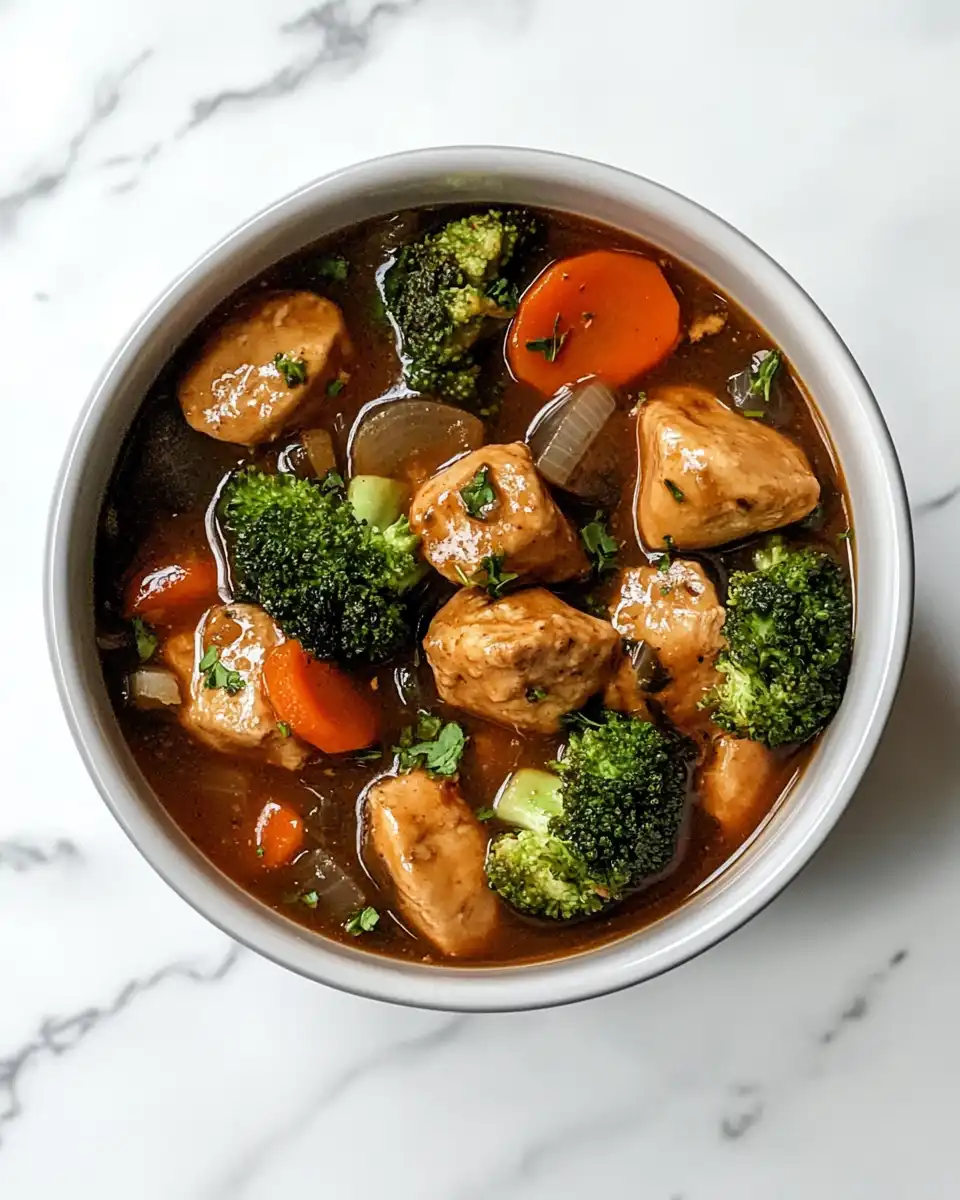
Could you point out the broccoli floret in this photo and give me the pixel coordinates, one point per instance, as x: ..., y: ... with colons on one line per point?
x: 447, y: 290
x: 789, y: 634
x: 605, y: 821
x: 329, y: 580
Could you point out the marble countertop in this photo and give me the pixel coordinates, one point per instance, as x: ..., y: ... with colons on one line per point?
x: 814, y: 1052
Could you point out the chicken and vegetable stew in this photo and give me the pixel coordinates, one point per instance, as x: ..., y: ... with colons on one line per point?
x: 473, y: 584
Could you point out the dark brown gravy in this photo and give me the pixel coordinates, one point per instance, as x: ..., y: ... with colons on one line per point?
x: 164, y: 481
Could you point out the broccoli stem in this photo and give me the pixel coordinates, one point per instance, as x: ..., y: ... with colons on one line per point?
x: 530, y: 799
x: 376, y: 500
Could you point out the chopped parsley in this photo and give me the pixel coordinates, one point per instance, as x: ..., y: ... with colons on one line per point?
x: 478, y: 496
x: 147, y: 640
x: 765, y: 366
x: 755, y: 414
x: 332, y: 482
x: 294, y: 370
x: 216, y: 675
x: 485, y: 814
x: 535, y: 695
x: 333, y: 268
x: 365, y: 756
x: 363, y: 921
x: 310, y: 899
x: 491, y: 576
x: 663, y: 563
x: 335, y: 387
x: 550, y: 346
x: 431, y: 744
x: 260, y: 852
x: 600, y: 544
x: 283, y: 729
x: 674, y: 491
x: 845, y: 536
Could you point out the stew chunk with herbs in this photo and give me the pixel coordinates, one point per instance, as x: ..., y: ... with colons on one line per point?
x: 473, y: 583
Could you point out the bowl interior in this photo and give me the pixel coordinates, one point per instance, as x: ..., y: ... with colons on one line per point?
x: 747, y: 276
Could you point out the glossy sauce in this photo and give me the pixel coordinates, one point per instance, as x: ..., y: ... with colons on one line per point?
x: 164, y: 482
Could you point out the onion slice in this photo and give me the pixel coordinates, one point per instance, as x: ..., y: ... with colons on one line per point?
x: 563, y: 432
x: 411, y: 439
x: 154, y: 687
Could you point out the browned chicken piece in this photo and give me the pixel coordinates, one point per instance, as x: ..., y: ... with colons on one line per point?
x: 736, y: 782
x: 523, y: 523
x: 710, y: 476
x: 678, y: 615
x: 625, y: 692
x: 235, y: 391
x: 521, y: 661
x: 434, y: 850
x: 241, y: 721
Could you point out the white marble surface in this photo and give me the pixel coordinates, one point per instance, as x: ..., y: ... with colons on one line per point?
x: 815, y: 1052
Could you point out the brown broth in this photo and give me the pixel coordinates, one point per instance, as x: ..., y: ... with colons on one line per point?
x: 164, y: 481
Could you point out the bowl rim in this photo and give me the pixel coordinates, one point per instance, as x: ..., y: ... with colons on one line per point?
x: 580, y: 976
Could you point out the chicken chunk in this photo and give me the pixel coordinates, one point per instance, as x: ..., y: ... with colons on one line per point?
x: 240, y: 720
x: 434, y: 850
x: 736, y: 781
x: 678, y: 615
x: 521, y: 661
x: 710, y: 476
x: 521, y: 522
x: 237, y: 393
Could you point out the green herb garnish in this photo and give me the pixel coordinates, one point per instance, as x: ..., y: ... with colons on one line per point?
x: 335, y: 387
x: 535, y: 694
x: 845, y: 536
x: 333, y: 268
x: 663, y: 563
x: 493, y: 577
x: 260, y: 852
x: 550, y: 346
x: 363, y: 921
x: 216, y: 675
x: 431, y: 744
x: 147, y: 640
x: 485, y: 814
x: 310, y: 899
x: 674, y: 491
x: 761, y: 377
x: 600, y: 544
x: 478, y: 496
x: 755, y: 414
x: 332, y: 482
x: 294, y: 370
x: 283, y: 729
x: 365, y: 756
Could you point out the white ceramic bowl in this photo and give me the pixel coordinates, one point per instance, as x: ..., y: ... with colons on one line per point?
x: 686, y: 231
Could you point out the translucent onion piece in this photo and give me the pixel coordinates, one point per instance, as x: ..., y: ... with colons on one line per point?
x: 412, y: 438
x: 564, y: 431
x: 319, y: 447
x: 154, y: 687
x: 337, y: 893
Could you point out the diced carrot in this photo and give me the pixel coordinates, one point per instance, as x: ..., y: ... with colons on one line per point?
x: 166, y: 592
x: 319, y: 702
x: 609, y: 313
x: 279, y: 834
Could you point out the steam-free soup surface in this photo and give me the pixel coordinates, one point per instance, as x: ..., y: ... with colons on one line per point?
x: 161, y: 507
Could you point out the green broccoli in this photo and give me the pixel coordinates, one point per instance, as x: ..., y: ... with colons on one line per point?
x: 327, y: 578
x: 789, y: 635
x: 608, y: 818
x: 447, y: 290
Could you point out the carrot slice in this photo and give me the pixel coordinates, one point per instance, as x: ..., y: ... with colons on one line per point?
x: 319, y: 702
x: 609, y: 313
x: 279, y: 834
x: 163, y: 593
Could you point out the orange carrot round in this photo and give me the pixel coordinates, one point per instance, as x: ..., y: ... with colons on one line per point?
x: 279, y: 834
x: 163, y: 593
x: 319, y: 702
x: 609, y: 313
